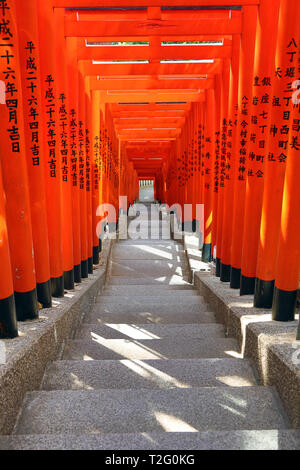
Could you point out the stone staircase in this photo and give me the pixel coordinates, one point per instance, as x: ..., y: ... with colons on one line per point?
x: 150, y: 368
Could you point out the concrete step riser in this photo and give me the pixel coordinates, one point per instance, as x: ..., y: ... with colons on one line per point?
x: 145, y: 301
x: 117, y: 349
x: 151, y: 318
x: 152, y: 289
x: 155, y: 309
x: 175, y: 410
x: 168, y: 281
x: 128, y: 331
x: 148, y: 291
x: 155, y: 374
x: 205, y: 440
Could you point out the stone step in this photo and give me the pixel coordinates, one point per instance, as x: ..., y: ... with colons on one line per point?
x: 150, y: 291
x: 161, y: 243
x: 166, y: 348
x: 146, y: 268
x: 129, y: 306
x: 161, y: 280
x: 285, y: 439
x: 132, y: 331
x: 135, y: 374
x: 173, y: 410
x: 146, y: 234
x: 144, y: 223
x: 181, y: 318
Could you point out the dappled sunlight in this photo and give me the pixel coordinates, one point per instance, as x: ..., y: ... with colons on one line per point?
x: 158, y: 252
x: 235, y: 354
x: 172, y: 423
x: 253, y: 440
x: 132, y: 331
x: 232, y: 410
x: 145, y: 370
x: 69, y: 295
x: 149, y: 227
x: 234, y: 381
x: 237, y: 401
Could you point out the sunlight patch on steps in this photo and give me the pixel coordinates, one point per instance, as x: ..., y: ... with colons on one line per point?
x: 132, y: 331
x: 145, y: 370
x: 235, y: 381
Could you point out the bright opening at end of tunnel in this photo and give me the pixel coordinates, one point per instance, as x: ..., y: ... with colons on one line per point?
x: 149, y: 223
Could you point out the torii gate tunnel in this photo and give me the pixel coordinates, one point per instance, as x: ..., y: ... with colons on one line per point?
x: 200, y: 96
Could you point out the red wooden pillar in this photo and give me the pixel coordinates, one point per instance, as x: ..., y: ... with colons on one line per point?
x: 216, y: 165
x: 63, y: 142
x: 245, y: 95
x: 202, y: 164
x: 82, y: 171
x: 31, y: 90
x: 223, y: 156
x: 288, y: 260
x: 275, y: 163
x: 15, y: 178
x: 194, y: 157
x: 8, y: 318
x: 88, y: 143
x: 50, y: 105
x: 208, y: 183
x: 95, y: 170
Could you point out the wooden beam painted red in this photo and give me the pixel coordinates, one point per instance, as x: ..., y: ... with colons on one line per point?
x: 152, y: 27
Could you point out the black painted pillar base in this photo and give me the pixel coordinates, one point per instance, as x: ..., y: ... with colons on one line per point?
x: 84, y: 269
x: 112, y: 227
x: 194, y: 225
x: 206, y: 252
x: 8, y: 318
x: 90, y: 265
x: 96, y: 254
x: 69, y: 282
x: 26, y: 305
x: 77, y: 273
x: 284, y: 305
x: 57, y: 286
x: 218, y: 267
x: 225, y: 272
x: 187, y: 226
x: 235, y: 278
x: 263, y: 294
x: 247, y: 285
x: 44, y: 293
